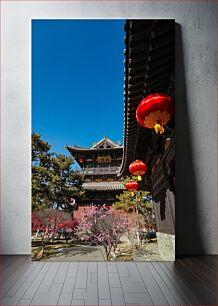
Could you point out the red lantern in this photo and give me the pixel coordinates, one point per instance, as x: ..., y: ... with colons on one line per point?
x: 81, y: 160
x: 138, y: 168
x: 132, y: 186
x: 154, y: 111
x: 72, y: 201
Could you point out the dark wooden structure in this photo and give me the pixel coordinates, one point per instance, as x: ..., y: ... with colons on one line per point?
x: 100, y: 165
x: 149, y: 68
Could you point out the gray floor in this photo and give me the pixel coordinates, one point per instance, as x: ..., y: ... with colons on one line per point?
x: 188, y: 281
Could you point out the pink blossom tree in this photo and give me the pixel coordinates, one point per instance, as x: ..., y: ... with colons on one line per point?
x: 102, y: 226
x: 50, y: 224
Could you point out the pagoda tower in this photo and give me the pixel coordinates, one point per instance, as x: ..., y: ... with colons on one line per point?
x: 100, y: 165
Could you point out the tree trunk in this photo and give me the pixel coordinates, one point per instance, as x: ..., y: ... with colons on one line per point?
x: 137, y: 231
x: 107, y: 250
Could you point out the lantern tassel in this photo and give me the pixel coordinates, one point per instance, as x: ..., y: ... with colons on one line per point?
x: 132, y: 193
x: 159, y: 129
x: 139, y: 178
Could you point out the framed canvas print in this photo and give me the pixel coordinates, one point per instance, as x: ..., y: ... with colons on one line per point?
x: 103, y: 140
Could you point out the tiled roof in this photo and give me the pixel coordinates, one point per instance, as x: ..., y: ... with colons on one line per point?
x: 96, y: 146
x: 107, y: 141
x: 103, y: 186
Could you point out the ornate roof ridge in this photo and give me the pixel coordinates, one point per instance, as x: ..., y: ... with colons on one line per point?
x: 76, y: 147
x: 96, y: 145
x: 105, y: 138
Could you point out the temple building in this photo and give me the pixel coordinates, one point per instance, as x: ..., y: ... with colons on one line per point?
x: 100, y: 165
x: 149, y: 68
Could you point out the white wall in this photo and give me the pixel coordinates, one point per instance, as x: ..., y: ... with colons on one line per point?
x: 195, y: 112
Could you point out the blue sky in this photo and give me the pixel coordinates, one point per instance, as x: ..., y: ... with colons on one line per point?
x: 77, y: 81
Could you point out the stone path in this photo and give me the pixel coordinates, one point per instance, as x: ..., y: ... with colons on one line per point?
x: 90, y: 253
x: 80, y: 253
